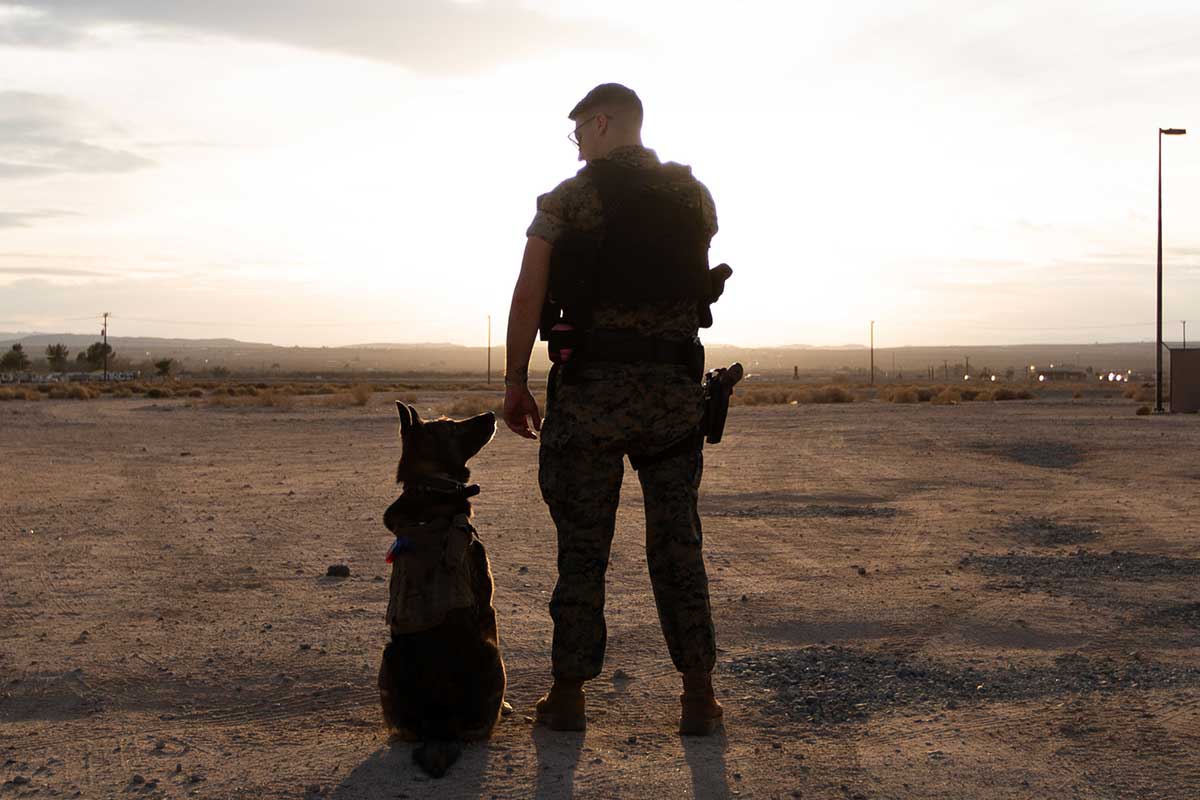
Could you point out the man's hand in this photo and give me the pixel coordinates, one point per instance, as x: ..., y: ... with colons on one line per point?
x: 519, y: 409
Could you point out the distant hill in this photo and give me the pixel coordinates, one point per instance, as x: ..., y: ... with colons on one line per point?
x: 425, y: 358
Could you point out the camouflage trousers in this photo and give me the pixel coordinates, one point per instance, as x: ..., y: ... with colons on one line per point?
x: 594, y: 419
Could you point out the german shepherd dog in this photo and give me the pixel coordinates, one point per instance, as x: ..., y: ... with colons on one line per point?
x: 441, y: 681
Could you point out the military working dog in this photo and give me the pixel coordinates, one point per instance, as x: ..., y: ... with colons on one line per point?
x: 441, y: 681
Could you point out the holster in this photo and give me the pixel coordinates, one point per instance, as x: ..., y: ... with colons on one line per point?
x: 718, y: 388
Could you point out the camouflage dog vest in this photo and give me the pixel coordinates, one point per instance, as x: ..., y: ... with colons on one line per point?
x: 431, y: 574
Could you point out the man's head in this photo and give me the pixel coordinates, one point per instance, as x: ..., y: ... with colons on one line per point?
x: 608, y: 117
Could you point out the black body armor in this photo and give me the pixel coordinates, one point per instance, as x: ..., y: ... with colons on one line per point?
x: 652, y: 247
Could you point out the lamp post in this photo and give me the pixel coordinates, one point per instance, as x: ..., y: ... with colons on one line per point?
x: 872, y: 352
x: 1158, y: 406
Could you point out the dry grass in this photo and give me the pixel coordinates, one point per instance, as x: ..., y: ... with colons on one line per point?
x: 268, y: 398
x: 1143, y: 411
x: 361, y: 393
x: 762, y: 395
x: 473, y: 404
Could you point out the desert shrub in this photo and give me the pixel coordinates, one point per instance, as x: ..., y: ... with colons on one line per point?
x: 1004, y: 394
x: 832, y: 394
x: 327, y: 388
x: 195, y: 391
x: 470, y: 405
x: 7, y: 395
x: 275, y: 398
x: 1143, y: 411
x: 262, y: 386
x: 46, y: 388
x: 246, y: 391
x: 984, y: 396
x: 30, y: 395
x: 1024, y: 394
x: 361, y: 393
x: 122, y: 391
x: 926, y: 393
x: 968, y: 394
x: 904, y: 394
x: 77, y: 392
x: 948, y: 396
x: 55, y: 392
x: 1131, y: 392
x: 760, y: 396
x: 158, y: 392
x: 137, y: 388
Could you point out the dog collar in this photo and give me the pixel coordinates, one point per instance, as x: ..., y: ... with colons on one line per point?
x: 447, y: 487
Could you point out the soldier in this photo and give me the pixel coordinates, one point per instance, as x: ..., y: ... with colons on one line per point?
x: 615, y: 273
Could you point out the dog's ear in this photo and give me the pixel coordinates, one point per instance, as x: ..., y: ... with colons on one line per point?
x: 416, y: 418
x: 406, y: 420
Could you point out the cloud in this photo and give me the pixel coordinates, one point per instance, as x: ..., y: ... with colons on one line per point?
x: 57, y: 272
x: 23, y: 219
x: 42, y: 135
x: 430, y: 36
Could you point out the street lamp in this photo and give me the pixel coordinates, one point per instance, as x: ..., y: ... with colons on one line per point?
x: 1158, y: 406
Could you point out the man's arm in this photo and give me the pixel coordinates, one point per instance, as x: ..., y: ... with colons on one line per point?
x: 523, y: 316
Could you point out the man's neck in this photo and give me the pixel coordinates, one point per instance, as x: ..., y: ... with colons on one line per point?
x: 636, y: 142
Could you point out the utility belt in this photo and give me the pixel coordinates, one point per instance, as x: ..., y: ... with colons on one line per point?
x: 569, y: 345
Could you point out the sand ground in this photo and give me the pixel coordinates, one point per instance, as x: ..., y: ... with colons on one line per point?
x: 911, y: 601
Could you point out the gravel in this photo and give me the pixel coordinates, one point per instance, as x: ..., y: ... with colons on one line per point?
x: 835, y: 684
x: 1047, y: 532
x: 1047, y: 571
x: 843, y: 512
x: 1187, y: 614
x: 1046, y: 454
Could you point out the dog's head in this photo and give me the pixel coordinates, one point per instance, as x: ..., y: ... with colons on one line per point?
x: 440, y: 447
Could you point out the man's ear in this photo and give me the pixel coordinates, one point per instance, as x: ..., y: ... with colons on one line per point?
x: 406, y: 421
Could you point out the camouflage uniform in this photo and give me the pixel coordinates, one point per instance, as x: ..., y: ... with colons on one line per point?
x: 605, y: 411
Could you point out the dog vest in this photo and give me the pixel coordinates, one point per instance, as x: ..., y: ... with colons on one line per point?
x: 431, y: 574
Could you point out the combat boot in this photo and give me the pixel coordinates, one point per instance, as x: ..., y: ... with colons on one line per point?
x: 701, y: 711
x: 561, y: 709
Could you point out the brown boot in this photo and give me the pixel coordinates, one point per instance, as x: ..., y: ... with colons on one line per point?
x: 561, y: 709
x: 701, y: 712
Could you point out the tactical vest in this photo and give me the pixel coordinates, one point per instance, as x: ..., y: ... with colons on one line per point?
x: 652, y: 246
x: 431, y: 574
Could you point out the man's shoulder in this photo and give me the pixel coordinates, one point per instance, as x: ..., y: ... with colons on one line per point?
x: 578, y: 184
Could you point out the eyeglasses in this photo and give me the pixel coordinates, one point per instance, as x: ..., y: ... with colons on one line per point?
x: 573, y: 136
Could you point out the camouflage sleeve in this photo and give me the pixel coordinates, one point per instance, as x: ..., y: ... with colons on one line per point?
x: 550, y: 221
x: 573, y: 204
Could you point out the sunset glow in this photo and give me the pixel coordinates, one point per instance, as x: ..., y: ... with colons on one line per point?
x: 958, y: 178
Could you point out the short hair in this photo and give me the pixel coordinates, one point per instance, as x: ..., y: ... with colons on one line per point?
x: 610, y: 95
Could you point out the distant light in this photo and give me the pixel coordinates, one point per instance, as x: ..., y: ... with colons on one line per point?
x: 1032, y: 367
x: 1051, y: 366
x: 1112, y: 376
x: 1041, y: 377
x: 993, y: 377
x: 966, y: 377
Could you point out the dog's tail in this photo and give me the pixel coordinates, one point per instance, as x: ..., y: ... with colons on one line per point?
x: 435, y: 756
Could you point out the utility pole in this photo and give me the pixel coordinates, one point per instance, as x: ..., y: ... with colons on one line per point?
x: 1184, y: 321
x: 489, y: 348
x: 872, y: 352
x: 104, y: 337
x: 968, y: 358
x: 946, y: 369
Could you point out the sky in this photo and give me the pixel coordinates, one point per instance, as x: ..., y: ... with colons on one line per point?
x: 305, y: 172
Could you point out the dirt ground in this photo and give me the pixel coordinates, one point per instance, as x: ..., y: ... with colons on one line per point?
x: 989, y: 600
